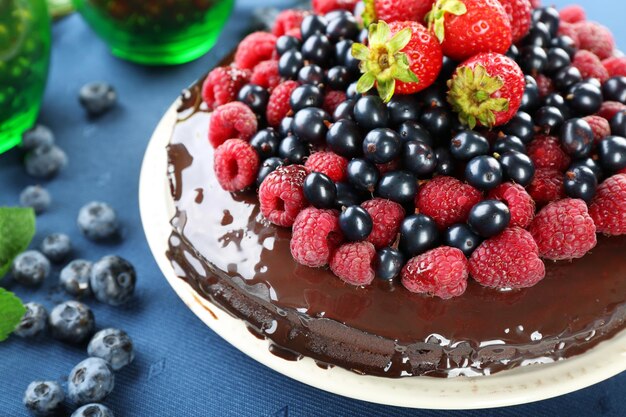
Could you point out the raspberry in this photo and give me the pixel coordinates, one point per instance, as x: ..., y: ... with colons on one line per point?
x: 509, y: 260
x: 590, y: 65
x: 519, y: 14
x: 332, y: 100
x: 440, y: 272
x: 535, y: 4
x: 236, y: 164
x: 564, y: 230
x: 254, y: 48
x: 325, y: 6
x: 600, y: 127
x: 295, y: 32
x: 266, y: 74
x: 231, y: 121
x: 520, y: 203
x: 615, y: 66
x: 278, y: 105
x: 287, y: 20
x: 386, y: 217
x: 546, y: 186
x: 572, y: 14
x: 388, y: 167
x: 546, y: 152
x: 595, y: 38
x: 352, y: 262
x: 568, y: 29
x: 447, y: 200
x: 544, y: 84
x: 608, y: 208
x: 316, y: 234
x: 222, y: 85
x: 622, y: 171
x: 328, y: 163
x: 281, y: 196
x: 610, y: 109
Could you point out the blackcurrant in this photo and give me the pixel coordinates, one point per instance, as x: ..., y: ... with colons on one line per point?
x: 549, y: 16
x: 312, y: 24
x: 549, y: 119
x: 590, y: 163
x: 389, y: 263
x: 398, y: 186
x: 293, y: 150
x: 522, y: 126
x: 462, y: 237
x: 433, y: 96
x: 517, y: 167
x: 363, y: 175
x: 255, y: 97
x: 402, y: 109
x: 557, y: 60
x: 513, y: 53
x: 290, y: 64
x: 344, y: 110
x: 344, y: 27
x: 338, y: 78
x: 370, y: 112
x: 489, y: 218
x: 319, y: 190
x: 351, y: 93
x: 266, y: 143
x: 267, y: 167
x: 531, y: 98
x: 418, y: 233
x: 618, y: 124
x: 304, y: 96
x: 344, y: 138
x: 466, y: 145
x: 382, y: 145
x: 484, y: 172
x: 355, y: 223
x: 533, y: 59
x: 584, y: 98
x: 538, y: 35
x: 614, y: 89
x: 285, y: 43
x: 505, y: 143
x: 445, y: 162
x: 612, y: 153
x: 347, y: 195
x: 342, y: 48
x: 566, y: 77
x: 310, y: 125
x: 580, y: 182
x: 566, y: 43
x: 438, y: 121
x: 413, y: 131
x: 577, y: 137
x: 419, y: 158
x: 318, y: 50
x: 311, y: 74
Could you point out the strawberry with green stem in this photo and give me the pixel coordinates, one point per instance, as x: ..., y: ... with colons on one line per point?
x: 402, y: 58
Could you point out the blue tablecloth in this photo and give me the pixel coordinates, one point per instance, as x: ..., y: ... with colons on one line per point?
x: 182, y: 368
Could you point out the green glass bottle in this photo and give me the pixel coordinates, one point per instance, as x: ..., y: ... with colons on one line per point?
x: 24, y: 58
x: 157, y: 32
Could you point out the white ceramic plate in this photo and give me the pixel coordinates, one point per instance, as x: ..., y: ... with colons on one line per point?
x: 517, y: 386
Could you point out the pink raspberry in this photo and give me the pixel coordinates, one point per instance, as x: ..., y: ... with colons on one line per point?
x: 595, y: 38
x: 278, y: 105
x: 353, y: 263
x: 325, y: 6
x: 287, y: 20
x: 387, y: 217
x: 266, y: 74
x: 236, y: 165
x: 281, y: 196
x: 546, y: 152
x: 544, y: 84
x: 590, y: 65
x: 610, y: 109
x: 615, y: 66
x: 440, y: 272
x: 572, y: 14
x: 519, y: 15
x: 608, y: 208
x: 254, y: 48
x: 316, y: 234
x: 535, y: 4
x: 600, y: 127
x: 520, y: 203
x: 222, y: 85
x: 388, y: 167
x: 232, y: 120
x: 546, y: 186
x: 328, y: 163
x: 332, y: 100
x: 509, y: 260
x: 564, y: 230
x: 447, y: 200
x: 568, y: 29
x: 295, y: 32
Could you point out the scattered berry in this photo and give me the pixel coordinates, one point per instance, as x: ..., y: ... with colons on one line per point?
x: 56, y: 247
x: 355, y: 223
x: 615, y: 89
x: 546, y: 186
x: 362, y: 174
x: 440, y: 272
x: 518, y: 12
x: 332, y: 100
x: 311, y: 125
x: 71, y: 322
x: 36, y: 197
x: 253, y: 49
x: 325, y: 6
x: 600, y: 127
x: 112, y: 345
x: 33, y: 322
x: 398, y: 186
x: 398, y: 10
x: 43, y: 398
x: 316, y: 235
x: 352, y: 263
x: 484, y: 172
x: 577, y: 138
x: 267, y: 167
x: 382, y: 146
x: 328, y: 163
x: 281, y: 196
x: 278, y: 106
x: 255, y: 97
x: 266, y: 143
x: 389, y: 263
x: 90, y: 381
x: 418, y: 233
x: 304, y: 96
x: 545, y: 84
x: 584, y: 98
x: 320, y: 190
x: 236, y: 165
x: 287, y: 20
x: 419, y: 158
x: 519, y: 202
x: 615, y: 66
x: 45, y: 161
x: 517, y: 167
x: 610, y: 108
x: 608, y: 209
x: 113, y: 280
x: 39, y: 135
x: 293, y: 150
x: 580, y: 182
x: 370, y: 113
x: 74, y: 277
x: 573, y: 14
x: 97, y: 98
x: 489, y: 218
x: 447, y: 200
x: 290, y: 64
x: 612, y: 153
x: 222, y: 85
x: 595, y: 38
x: 546, y: 153
x: 590, y: 65
x: 30, y: 268
x: 93, y: 410
x: 230, y: 121
x: 462, y: 237
x: 468, y: 144
x: 98, y: 221
x: 386, y: 217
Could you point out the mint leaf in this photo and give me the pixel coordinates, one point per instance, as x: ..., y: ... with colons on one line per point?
x: 17, y: 228
x: 11, y: 312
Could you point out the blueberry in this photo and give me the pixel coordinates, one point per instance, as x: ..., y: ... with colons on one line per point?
x: 71, y: 322
x: 517, y: 167
x: 445, y: 162
x: 43, y: 398
x: 285, y: 43
x: 413, y: 131
x: 39, y: 135
x: 557, y: 100
x: 533, y: 59
x: 337, y: 14
x: 93, y: 410
x: 531, y: 97
x: 311, y: 74
x: 389, y: 263
x: 98, y: 221
x: 344, y: 27
x: 284, y: 129
x: 351, y: 93
x: 580, y: 182
x: 90, y: 381
x: 36, y: 197
x: 398, y: 186
x: 320, y: 190
x: 347, y: 195
x: 418, y: 233
x: 549, y: 119
x: 466, y: 145
x: 505, y: 143
x: 45, y: 161
x: 590, y: 163
x: 56, y: 247
x: 344, y: 111
x: 557, y: 60
x: 311, y: 125
x: 112, y: 345
x: 538, y: 36
x: 362, y: 174
x: 438, y: 121
x: 612, y: 153
x: 113, y: 280
x: 577, y: 138
x: 584, y: 98
x: 33, y: 322
x: 403, y: 109
x: 489, y: 218
x: 293, y: 150
x: 548, y: 16
x: 618, y: 124
x: 290, y: 64
x: 566, y: 78
x: 433, y: 96
x: 342, y: 49
x: 304, y: 96
x: 382, y: 146
x: 74, y: 277
x: 345, y: 139
x: 460, y: 236
x: 370, y: 113
x: 614, y: 89
x: 97, y: 98
x: 484, y: 172
x: 255, y: 97
x: 522, y: 126
x: 338, y: 78
x: 267, y: 167
x: 312, y: 24
x: 318, y: 50
x: 266, y: 143
x: 355, y: 223
x: 419, y: 158
x: 30, y: 268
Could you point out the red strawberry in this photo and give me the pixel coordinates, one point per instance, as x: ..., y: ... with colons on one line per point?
x: 469, y: 27
x: 402, y: 57
x: 486, y: 90
x: 519, y: 14
x: 396, y: 10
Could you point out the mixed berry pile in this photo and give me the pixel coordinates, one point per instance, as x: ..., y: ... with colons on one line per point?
x: 428, y: 141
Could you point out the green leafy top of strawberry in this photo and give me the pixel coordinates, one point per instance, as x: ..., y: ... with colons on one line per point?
x: 382, y: 63
x: 436, y: 17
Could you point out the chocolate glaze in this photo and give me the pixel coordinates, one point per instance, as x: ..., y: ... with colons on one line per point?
x: 230, y: 255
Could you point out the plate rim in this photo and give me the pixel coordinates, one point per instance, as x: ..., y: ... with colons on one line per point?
x: 506, y: 388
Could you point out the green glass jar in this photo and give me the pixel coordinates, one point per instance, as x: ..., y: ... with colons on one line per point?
x: 24, y: 58
x: 159, y: 31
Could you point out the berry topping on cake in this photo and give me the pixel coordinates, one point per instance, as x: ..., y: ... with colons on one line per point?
x: 519, y: 202
x: 281, y: 196
x: 278, y: 106
x: 288, y: 20
x: 236, y: 165
x: 440, y: 272
x: 315, y: 236
x: 222, y: 85
x: 546, y: 153
x: 447, y: 200
x: 328, y: 163
x: 608, y: 209
x: 387, y: 217
x: 255, y: 48
x: 265, y: 74
x: 353, y: 263
x: 231, y: 121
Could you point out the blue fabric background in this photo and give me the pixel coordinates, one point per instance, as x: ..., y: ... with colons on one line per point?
x: 182, y: 368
